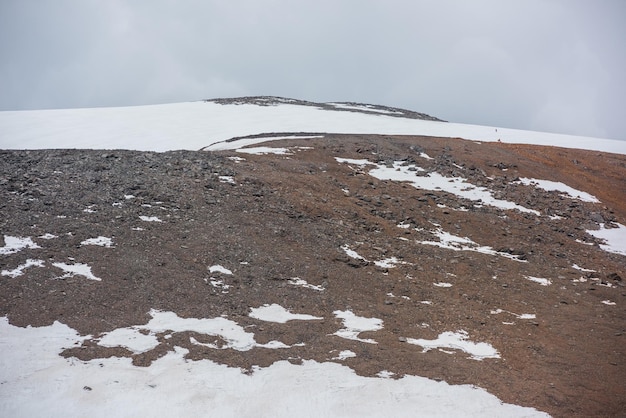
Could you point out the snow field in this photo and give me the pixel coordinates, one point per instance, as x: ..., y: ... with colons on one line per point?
x: 171, y: 386
x: 196, y: 125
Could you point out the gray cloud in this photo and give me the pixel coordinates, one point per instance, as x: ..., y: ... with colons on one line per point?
x: 553, y: 65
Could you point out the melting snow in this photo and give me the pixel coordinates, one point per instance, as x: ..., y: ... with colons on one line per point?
x: 265, y: 150
x: 543, y: 282
x: 614, y: 238
x: 170, y: 386
x: 15, y: 244
x: 345, y: 354
x: 77, y: 269
x: 519, y: 316
x: 560, y: 187
x: 219, y: 269
x: 577, y: 267
x: 436, y: 182
x: 458, y: 341
x: 453, y: 242
x: 296, y: 281
x: 101, y: 241
x: 385, y: 374
x: 237, y: 159
x: 47, y: 236
x: 352, y: 161
x: 20, y: 269
x: 276, y: 313
x: 354, y: 325
x: 233, y: 334
x: 227, y: 179
x: 352, y: 253
x: 219, y: 284
x: 129, y: 338
x: 387, y: 262
x: 150, y: 219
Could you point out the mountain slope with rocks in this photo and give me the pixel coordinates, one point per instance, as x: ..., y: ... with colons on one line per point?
x: 490, y: 264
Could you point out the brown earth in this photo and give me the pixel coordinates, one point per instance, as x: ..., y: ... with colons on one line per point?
x: 288, y: 216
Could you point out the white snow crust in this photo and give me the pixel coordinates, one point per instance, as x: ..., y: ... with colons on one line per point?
x: 172, y: 386
x: 354, y: 325
x: 19, y: 270
x: 16, y: 244
x: 100, y: 241
x: 77, y: 269
x: 276, y: 313
x: 614, y: 238
x: 195, y: 125
x: 560, y: 187
x: 435, y: 181
x: 220, y: 269
x: 458, y: 341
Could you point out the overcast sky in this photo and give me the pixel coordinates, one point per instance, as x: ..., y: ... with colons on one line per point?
x: 548, y: 65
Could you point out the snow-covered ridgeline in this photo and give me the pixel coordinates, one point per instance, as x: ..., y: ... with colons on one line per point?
x: 195, y: 125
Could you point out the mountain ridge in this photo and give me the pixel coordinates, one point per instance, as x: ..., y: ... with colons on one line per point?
x: 366, y: 108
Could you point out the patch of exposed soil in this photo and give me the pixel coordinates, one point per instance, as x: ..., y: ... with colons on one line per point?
x: 271, y: 218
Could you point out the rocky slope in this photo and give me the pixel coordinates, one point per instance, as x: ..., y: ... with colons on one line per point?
x: 314, y: 231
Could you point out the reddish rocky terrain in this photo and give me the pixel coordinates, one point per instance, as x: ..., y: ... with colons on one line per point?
x: 270, y: 219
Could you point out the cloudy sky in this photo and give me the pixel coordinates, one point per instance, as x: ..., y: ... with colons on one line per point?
x: 548, y: 65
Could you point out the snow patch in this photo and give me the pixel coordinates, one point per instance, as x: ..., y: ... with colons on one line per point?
x: 219, y: 284
x: 390, y: 262
x: 150, y: 219
x: 560, y: 187
x: 541, y: 281
x: 219, y: 269
x: 227, y: 179
x: 296, y: 281
x: 47, y: 236
x: 519, y: 316
x: 276, y: 313
x: 352, y: 161
x: 20, y: 269
x: 264, y: 150
x: 345, y: 354
x: 351, y: 253
x: 77, y: 269
x: 354, y: 325
x: 456, y: 243
x: 577, y: 267
x: 614, y: 238
x: 458, y: 186
x: 15, y: 244
x: 233, y: 335
x: 458, y: 341
x: 100, y: 241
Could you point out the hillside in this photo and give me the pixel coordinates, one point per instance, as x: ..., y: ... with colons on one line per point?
x: 491, y: 264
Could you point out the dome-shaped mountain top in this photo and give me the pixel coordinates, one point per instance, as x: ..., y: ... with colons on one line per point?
x: 341, y: 106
